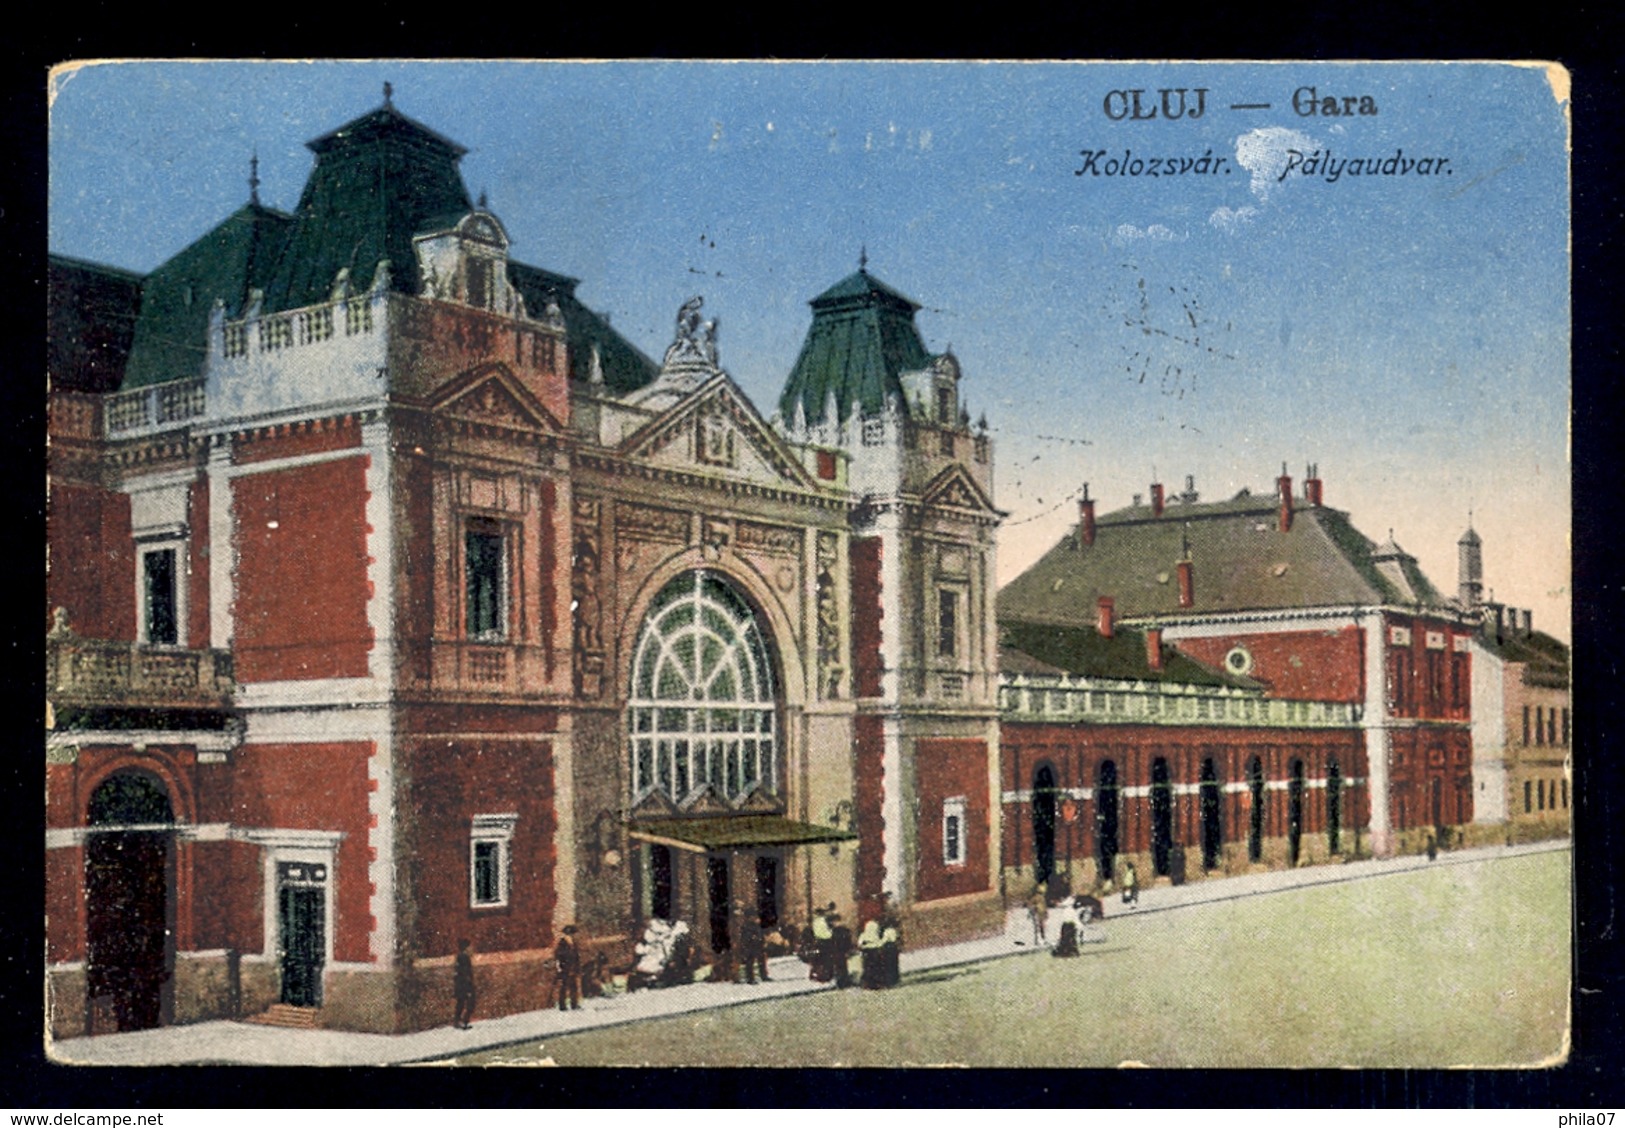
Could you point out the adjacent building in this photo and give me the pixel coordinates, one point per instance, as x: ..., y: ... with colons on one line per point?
x: 1320, y: 706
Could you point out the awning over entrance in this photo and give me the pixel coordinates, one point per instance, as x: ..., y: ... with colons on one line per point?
x: 735, y: 832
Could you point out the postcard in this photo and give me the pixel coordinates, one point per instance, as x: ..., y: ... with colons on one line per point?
x: 809, y: 564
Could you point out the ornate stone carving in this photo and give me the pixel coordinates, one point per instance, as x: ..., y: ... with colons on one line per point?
x: 587, y: 613
x: 650, y: 523
x: 768, y: 538
x: 695, y: 342
x: 829, y: 621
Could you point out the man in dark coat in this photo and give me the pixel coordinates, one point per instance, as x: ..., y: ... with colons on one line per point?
x: 462, y: 988
x: 567, y: 959
x: 752, y: 946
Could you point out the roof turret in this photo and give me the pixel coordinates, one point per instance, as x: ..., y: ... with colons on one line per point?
x: 861, y: 340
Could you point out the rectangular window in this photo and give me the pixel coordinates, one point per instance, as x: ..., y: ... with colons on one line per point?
x: 1565, y: 731
x: 1551, y: 726
x: 1526, y: 727
x: 947, y: 623
x: 1540, y: 725
x: 485, y: 569
x: 490, y: 859
x: 953, y: 831
x: 1564, y: 784
x: 826, y: 465
x: 945, y: 405
x: 160, y: 596
x: 1528, y: 797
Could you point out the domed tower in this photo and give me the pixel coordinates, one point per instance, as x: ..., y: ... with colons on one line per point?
x: 922, y: 580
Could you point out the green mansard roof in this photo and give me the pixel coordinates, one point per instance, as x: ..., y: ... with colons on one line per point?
x: 861, y: 339
x: 379, y: 180
x: 172, y: 333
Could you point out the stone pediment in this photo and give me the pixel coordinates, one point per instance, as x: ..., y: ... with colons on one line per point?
x: 492, y: 395
x: 716, y: 429
x: 955, y: 488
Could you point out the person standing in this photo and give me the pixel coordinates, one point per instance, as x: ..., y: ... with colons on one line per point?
x: 567, y: 961
x: 1131, y: 886
x: 822, y: 967
x: 873, y: 974
x: 891, y: 949
x: 462, y: 988
x: 1038, y: 910
x: 752, y: 945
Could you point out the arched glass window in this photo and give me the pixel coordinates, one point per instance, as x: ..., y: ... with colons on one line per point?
x: 703, y: 707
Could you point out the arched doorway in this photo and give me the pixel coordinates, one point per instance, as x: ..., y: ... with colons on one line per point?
x: 1294, y: 813
x: 129, y: 860
x: 1255, y: 821
x: 1212, y: 830
x: 1043, y: 823
x: 1334, y: 806
x: 1162, y: 818
x: 1106, y: 817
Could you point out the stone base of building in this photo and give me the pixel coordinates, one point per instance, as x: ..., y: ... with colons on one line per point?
x: 927, y: 924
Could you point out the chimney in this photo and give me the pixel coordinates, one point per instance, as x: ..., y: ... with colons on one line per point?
x: 1528, y: 623
x: 1187, y: 584
x: 1153, y: 648
x: 1283, y: 486
x: 1086, y: 519
x: 1312, y: 489
x: 1103, y: 616
x: 1156, y: 499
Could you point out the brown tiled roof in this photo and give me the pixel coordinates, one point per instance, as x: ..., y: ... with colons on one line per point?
x: 1240, y: 559
x: 1546, y: 659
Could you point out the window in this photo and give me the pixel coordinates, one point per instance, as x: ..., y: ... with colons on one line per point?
x: 485, y: 568
x: 947, y: 623
x: 1540, y: 725
x: 479, y: 283
x: 160, y: 595
x: 490, y: 859
x: 1565, y: 785
x: 953, y: 831
x: 1540, y: 795
x: 703, y: 712
x: 1435, y: 675
x: 1528, y: 797
x: 1526, y: 731
x: 1565, y: 730
x: 826, y: 465
x: 945, y: 405
x: 1551, y: 726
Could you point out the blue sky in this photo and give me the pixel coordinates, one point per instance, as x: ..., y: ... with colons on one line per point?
x: 1409, y: 334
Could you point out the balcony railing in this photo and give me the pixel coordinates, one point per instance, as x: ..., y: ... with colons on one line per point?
x: 461, y: 667
x: 160, y: 407
x: 87, y: 671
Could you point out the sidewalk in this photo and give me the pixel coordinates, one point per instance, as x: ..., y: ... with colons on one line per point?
x: 249, y: 1044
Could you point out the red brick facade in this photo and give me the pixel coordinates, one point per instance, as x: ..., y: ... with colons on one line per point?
x: 1296, y: 665
x: 302, y: 587
x: 949, y: 770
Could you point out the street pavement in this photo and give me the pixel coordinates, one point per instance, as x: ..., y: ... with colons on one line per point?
x: 251, y: 1044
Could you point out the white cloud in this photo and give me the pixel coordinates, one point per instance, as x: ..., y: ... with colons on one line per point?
x: 1262, y: 152
x: 1232, y: 220
x: 1156, y: 232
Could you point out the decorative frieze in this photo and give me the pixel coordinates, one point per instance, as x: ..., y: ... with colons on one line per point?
x: 648, y: 523
x: 751, y: 536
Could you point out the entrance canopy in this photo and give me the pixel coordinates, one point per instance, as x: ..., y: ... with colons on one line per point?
x: 735, y: 832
